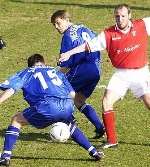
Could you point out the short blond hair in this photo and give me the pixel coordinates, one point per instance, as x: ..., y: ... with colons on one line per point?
x: 120, y: 6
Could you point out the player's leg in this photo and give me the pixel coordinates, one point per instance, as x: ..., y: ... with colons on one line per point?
x: 146, y: 100
x: 84, y: 82
x: 75, y: 132
x: 90, y: 113
x: 109, y: 118
x: 78, y: 136
x: 11, y: 136
x: 28, y: 116
x: 116, y: 89
x: 141, y: 89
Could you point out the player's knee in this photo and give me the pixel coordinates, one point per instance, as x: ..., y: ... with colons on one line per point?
x: 15, y: 122
x: 18, y: 120
x: 79, y: 103
x: 107, y: 104
x: 79, y: 100
x: 147, y: 103
x: 146, y: 100
x: 14, y: 118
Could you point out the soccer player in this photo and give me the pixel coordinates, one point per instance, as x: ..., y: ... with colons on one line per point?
x: 83, y: 81
x: 126, y: 43
x: 49, y: 95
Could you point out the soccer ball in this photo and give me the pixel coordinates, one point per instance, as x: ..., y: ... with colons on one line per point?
x: 59, y: 132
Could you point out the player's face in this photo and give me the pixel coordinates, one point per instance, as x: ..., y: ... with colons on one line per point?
x: 122, y: 18
x: 61, y: 25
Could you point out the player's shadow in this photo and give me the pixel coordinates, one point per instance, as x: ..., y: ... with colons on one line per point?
x: 94, y: 6
x: 134, y: 143
x: 124, y: 142
x: 52, y: 158
x: 37, y: 136
x: 33, y: 136
x: 44, y: 137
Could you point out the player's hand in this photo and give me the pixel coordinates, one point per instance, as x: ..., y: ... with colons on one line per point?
x: 64, y: 57
x: 2, y: 43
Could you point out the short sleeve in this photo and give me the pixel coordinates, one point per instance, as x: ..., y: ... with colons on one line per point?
x: 147, y: 24
x: 98, y: 43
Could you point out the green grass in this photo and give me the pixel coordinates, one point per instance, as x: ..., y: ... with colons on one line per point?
x: 24, y: 25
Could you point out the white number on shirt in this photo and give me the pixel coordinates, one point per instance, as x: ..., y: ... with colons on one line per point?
x: 86, y: 36
x: 51, y: 73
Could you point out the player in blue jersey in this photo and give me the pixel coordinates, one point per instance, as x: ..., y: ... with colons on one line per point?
x: 83, y: 70
x: 49, y: 95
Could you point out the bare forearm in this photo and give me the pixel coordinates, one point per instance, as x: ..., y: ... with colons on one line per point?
x: 79, y: 49
x: 6, y: 94
x: 64, y: 69
x: 65, y: 56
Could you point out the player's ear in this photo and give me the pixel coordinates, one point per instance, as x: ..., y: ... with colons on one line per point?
x: 129, y: 15
x: 67, y: 19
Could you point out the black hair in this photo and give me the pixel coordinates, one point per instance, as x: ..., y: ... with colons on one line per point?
x: 35, y: 58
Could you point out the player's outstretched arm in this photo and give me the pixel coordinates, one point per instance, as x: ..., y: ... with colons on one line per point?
x: 65, y: 56
x: 64, y: 69
x: 6, y: 94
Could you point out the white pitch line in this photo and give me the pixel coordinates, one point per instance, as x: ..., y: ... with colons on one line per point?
x: 101, y: 86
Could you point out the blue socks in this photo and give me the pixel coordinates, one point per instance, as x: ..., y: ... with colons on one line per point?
x: 11, y: 137
x: 12, y: 134
x: 79, y: 137
x: 92, y: 116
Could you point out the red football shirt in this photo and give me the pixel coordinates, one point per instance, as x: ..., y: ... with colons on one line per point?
x: 127, y: 50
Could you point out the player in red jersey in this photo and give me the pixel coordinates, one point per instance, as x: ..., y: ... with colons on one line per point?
x: 126, y: 43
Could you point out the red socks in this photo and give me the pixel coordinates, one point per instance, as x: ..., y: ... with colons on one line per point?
x: 110, y: 128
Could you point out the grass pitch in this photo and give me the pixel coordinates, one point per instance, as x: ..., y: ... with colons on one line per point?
x: 25, y: 28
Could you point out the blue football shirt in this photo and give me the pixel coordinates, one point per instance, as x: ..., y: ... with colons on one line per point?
x: 74, y: 36
x: 39, y: 83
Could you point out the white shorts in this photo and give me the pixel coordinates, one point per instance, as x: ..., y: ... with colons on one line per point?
x: 136, y: 80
